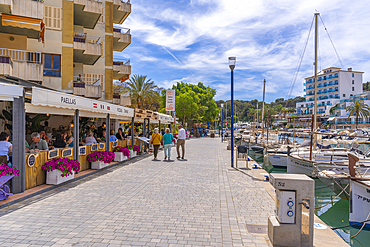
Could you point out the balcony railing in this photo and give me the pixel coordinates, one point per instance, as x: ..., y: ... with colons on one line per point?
x: 19, y: 56
x: 85, y: 38
x: 121, y: 30
x: 119, y: 62
x: 87, y: 80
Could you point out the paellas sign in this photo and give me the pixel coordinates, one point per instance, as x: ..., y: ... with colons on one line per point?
x: 50, y: 98
x: 170, y: 100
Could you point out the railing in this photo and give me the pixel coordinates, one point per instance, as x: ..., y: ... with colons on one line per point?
x: 121, y: 30
x: 20, y: 56
x: 85, y: 38
x: 82, y: 80
x: 120, y: 62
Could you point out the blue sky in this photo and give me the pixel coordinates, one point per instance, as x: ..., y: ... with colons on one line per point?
x: 191, y: 40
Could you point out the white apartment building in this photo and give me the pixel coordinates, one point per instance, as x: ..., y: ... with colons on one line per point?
x: 333, y: 85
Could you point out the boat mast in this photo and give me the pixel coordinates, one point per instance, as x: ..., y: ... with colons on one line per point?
x: 315, y: 105
x: 257, y: 123
x: 263, y: 109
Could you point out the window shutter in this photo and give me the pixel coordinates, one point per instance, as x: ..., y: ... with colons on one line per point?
x: 52, y: 16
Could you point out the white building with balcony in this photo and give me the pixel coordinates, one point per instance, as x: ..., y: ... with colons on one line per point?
x: 333, y: 85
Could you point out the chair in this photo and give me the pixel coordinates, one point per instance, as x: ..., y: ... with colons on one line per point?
x: 242, y: 153
x: 3, y: 159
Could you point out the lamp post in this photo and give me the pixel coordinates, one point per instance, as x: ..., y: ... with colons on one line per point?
x: 222, y: 122
x: 219, y: 126
x: 232, y: 61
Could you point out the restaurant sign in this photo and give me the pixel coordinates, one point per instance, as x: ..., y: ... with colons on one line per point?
x: 46, y: 97
x: 170, y: 100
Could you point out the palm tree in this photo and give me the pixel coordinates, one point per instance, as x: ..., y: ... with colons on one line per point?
x: 332, y: 110
x: 143, y: 91
x: 358, y: 109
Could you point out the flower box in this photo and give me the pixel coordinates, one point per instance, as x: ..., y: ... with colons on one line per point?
x: 118, y: 156
x: 132, y: 153
x: 98, y: 165
x: 55, y: 177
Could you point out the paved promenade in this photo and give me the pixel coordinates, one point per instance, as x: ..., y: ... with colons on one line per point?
x: 196, y: 202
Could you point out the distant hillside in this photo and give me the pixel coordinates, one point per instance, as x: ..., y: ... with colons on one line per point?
x: 245, y: 110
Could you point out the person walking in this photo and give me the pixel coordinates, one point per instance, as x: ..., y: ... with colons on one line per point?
x: 181, y: 142
x: 156, y: 141
x: 167, y: 142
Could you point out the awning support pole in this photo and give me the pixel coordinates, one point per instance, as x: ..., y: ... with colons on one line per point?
x: 132, y: 130
x: 76, y: 134
x: 107, y: 132
x: 19, y: 137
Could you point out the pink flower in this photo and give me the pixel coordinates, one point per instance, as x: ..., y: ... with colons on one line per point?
x: 65, y: 165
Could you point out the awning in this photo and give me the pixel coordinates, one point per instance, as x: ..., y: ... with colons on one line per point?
x: 59, y: 100
x: 331, y: 119
x: 165, y: 119
x: 21, y: 21
x: 8, y: 91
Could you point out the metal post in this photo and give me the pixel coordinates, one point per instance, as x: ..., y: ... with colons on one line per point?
x: 19, y: 137
x: 107, y: 132
x: 76, y: 134
x: 132, y: 130
x: 222, y: 124
x: 159, y: 126
x: 232, y: 118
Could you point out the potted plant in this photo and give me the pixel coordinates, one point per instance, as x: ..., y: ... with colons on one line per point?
x: 100, y: 159
x: 59, y: 170
x: 121, y: 153
x: 6, y: 173
x: 133, y: 150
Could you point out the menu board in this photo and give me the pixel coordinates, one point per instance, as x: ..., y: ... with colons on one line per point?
x: 82, y: 150
x: 67, y: 152
x: 101, y: 146
x: 31, y: 160
x: 53, y: 154
x: 94, y: 147
x: 115, y: 144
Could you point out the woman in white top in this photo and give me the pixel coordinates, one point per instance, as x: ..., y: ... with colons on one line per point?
x: 90, y: 139
x: 5, y: 145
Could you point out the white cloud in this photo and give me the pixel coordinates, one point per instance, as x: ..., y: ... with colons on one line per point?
x: 266, y: 36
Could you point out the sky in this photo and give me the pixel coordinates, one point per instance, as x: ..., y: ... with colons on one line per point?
x: 191, y: 40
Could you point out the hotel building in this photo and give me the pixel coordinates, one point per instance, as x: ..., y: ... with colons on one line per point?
x: 65, y: 45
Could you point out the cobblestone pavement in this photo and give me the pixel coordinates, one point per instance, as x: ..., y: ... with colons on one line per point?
x: 196, y: 202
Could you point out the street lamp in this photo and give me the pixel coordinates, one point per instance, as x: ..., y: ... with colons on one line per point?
x: 222, y: 122
x: 232, y: 62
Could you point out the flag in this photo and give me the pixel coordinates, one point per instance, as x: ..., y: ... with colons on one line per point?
x: 108, y: 108
x: 95, y: 105
x: 102, y: 107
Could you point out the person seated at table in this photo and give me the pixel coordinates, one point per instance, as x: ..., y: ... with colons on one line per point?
x: 37, y: 143
x: 44, y: 136
x: 59, y: 142
x: 90, y: 139
x: 26, y: 146
x: 104, y: 137
x: 120, y: 135
x: 112, y: 137
x: 5, y: 145
x: 69, y: 138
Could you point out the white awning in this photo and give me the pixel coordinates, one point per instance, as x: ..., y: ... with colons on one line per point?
x: 8, y: 91
x: 331, y: 119
x: 165, y: 119
x: 54, y: 99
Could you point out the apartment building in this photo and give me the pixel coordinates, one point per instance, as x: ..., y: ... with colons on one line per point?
x: 333, y: 85
x: 66, y: 45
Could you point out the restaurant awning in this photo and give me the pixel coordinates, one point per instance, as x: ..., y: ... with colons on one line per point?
x: 8, y: 91
x: 331, y: 119
x: 64, y: 104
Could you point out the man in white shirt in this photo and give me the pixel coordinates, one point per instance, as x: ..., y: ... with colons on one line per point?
x: 181, y: 142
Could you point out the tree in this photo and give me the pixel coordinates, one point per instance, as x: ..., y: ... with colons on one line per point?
x: 332, y: 110
x: 358, y: 109
x: 143, y: 92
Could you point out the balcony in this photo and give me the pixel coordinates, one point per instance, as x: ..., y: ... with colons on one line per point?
x: 26, y: 65
x: 87, y: 12
x: 124, y: 99
x: 121, y: 69
x: 83, y: 88
x: 121, y: 38
x: 24, y: 8
x: 121, y: 10
x: 87, y: 49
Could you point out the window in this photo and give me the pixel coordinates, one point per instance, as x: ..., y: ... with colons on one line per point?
x: 52, y: 65
x: 351, y: 95
x: 353, y: 88
x: 353, y: 81
x: 353, y: 74
x: 52, y: 16
x: 344, y: 95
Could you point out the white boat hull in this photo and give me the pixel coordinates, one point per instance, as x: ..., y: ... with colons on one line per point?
x: 278, y: 160
x: 359, y: 203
